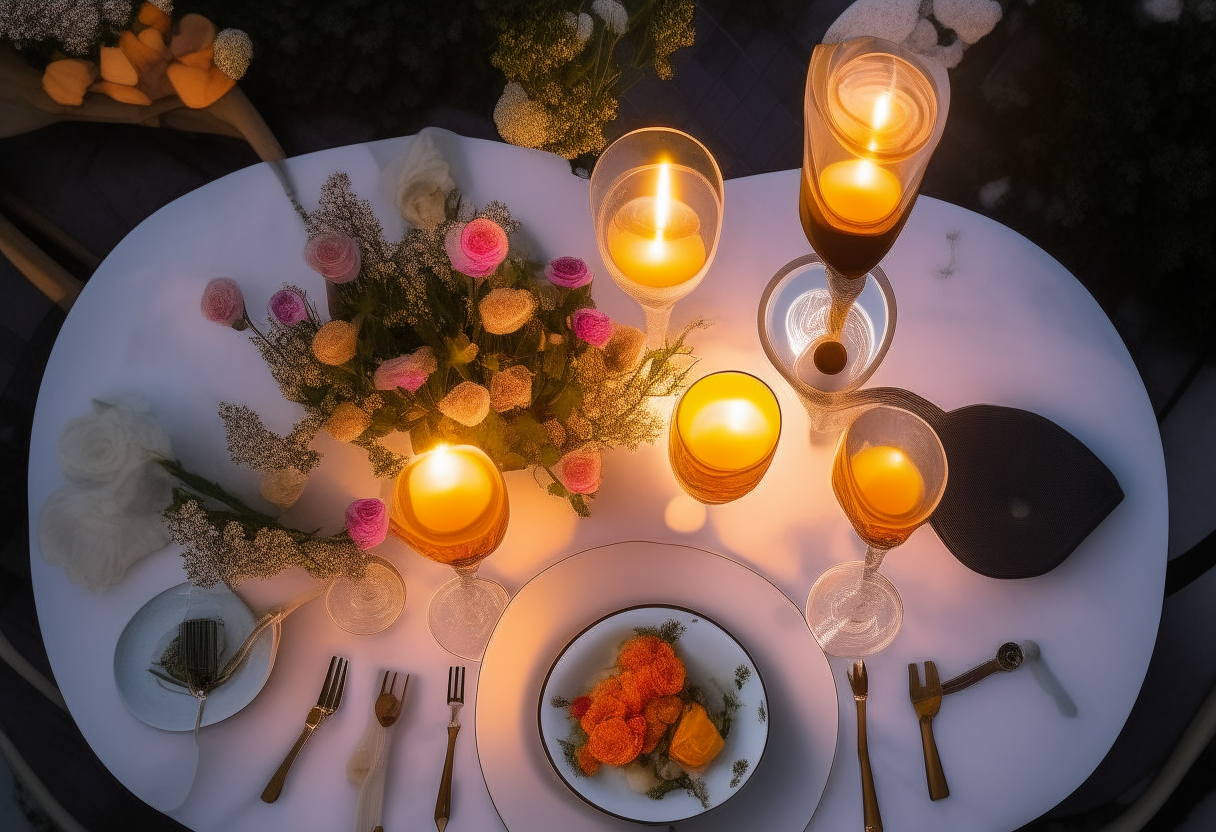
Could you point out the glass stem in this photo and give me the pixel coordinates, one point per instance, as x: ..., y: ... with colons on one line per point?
x: 844, y: 291
x: 874, y: 557
x: 657, y: 321
x: 467, y: 574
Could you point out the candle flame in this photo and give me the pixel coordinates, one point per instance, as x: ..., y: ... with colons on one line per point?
x: 440, y: 468
x: 662, y: 210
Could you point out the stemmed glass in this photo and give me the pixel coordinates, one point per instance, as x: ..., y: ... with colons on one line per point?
x: 889, y: 474
x: 874, y: 114
x: 656, y: 202
x: 450, y: 505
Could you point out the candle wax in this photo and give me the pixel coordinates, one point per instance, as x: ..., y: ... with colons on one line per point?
x: 729, y: 421
x: 888, y: 481
x: 449, y: 490
x: 859, y: 191
x: 653, y: 249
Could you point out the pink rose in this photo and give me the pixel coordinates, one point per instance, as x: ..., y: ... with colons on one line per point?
x: 476, y: 248
x: 223, y: 303
x: 568, y: 272
x: 367, y: 522
x: 408, y: 371
x: 579, y: 470
x: 592, y: 325
x: 288, y: 307
x: 333, y: 256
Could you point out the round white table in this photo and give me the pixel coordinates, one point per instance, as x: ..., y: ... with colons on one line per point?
x: 988, y: 317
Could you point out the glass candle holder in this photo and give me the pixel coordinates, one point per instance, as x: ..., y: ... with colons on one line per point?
x: 450, y: 505
x: 795, y: 334
x: 367, y: 605
x: 888, y: 475
x: 874, y: 113
x: 723, y: 436
x: 656, y: 202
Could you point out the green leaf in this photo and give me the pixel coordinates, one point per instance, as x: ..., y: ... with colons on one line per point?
x: 557, y: 489
x: 514, y: 462
x: 549, y: 456
x: 579, y: 503
x: 566, y: 401
x: 461, y: 350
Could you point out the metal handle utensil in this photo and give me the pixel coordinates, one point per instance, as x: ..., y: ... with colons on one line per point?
x: 860, y: 682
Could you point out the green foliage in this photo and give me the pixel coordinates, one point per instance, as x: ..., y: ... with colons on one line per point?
x: 576, y: 84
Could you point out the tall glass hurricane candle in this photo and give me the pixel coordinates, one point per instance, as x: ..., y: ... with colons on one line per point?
x: 656, y: 201
x: 874, y: 113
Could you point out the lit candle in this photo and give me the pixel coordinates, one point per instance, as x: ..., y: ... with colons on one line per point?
x: 888, y: 480
x: 857, y: 190
x: 656, y: 240
x: 729, y: 421
x: 449, y: 489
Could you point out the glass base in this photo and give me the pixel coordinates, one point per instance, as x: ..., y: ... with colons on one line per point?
x: 369, y: 605
x: 463, y: 614
x: 852, y: 619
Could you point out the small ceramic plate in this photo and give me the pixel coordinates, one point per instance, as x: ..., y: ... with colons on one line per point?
x: 149, y: 633
x: 714, y: 661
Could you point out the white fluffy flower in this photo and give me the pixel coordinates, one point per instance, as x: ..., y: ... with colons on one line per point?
x: 970, y: 19
x: 520, y: 120
x: 283, y: 486
x: 232, y: 51
x: 613, y: 14
x: 117, y: 437
x: 419, y: 181
x: 582, y: 24
x: 891, y: 20
x: 109, y: 515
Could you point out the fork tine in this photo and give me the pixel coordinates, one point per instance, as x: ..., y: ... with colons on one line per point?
x: 329, y: 680
x: 393, y: 686
x: 384, y: 683
x: 337, y: 699
x: 451, y: 688
x: 913, y: 679
x: 932, y: 680
x: 460, y: 675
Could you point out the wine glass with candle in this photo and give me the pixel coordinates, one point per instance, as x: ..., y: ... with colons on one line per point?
x: 450, y: 505
x: 656, y: 202
x: 724, y: 433
x: 874, y: 114
x: 888, y: 475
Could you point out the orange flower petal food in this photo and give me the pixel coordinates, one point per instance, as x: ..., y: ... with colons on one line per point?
x: 606, y: 702
x: 617, y: 742
x: 636, y: 690
x: 586, y: 762
x: 665, y: 709
x: 641, y: 651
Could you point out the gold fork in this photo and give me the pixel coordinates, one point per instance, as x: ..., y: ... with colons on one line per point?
x: 927, y: 699
x: 859, y: 680
x: 443, y: 803
x: 327, y: 703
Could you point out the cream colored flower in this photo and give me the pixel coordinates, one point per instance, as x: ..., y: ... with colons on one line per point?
x: 557, y: 433
x: 467, y: 403
x: 582, y: 24
x: 347, y: 422
x: 232, y: 52
x: 614, y: 15
x: 419, y: 181
x: 520, y: 120
x: 505, y: 310
x: 334, y: 343
x: 511, y: 388
x: 284, y: 486
x: 622, y: 351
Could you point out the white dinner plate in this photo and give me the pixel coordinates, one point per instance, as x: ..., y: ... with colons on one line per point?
x: 714, y: 661
x: 149, y: 633
x: 552, y: 608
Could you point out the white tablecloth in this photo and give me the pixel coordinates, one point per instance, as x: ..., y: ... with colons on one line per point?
x: 1008, y: 326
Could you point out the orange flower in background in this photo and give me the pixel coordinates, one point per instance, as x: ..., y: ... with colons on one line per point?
x: 588, y: 764
x: 616, y: 741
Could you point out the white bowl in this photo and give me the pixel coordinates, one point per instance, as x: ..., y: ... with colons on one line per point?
x: 714, y: 660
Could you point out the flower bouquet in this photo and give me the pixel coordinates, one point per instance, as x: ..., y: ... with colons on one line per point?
x: 449, y: 336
